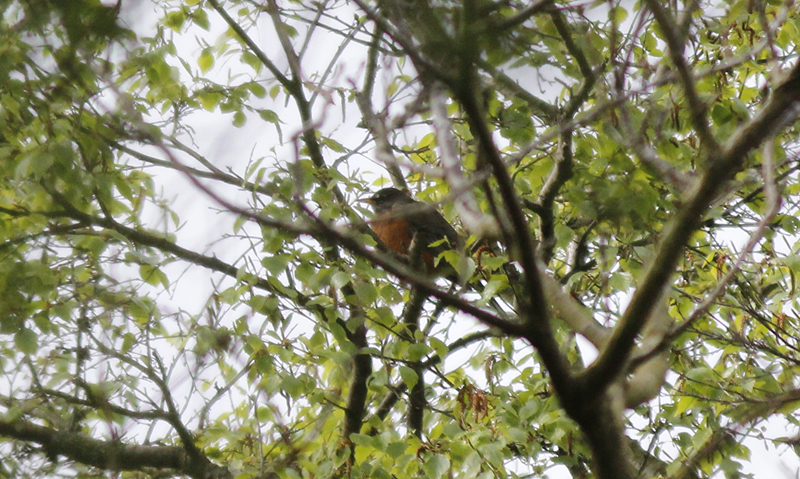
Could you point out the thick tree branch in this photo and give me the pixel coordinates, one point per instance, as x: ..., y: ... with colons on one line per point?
x: 410, y: 324
x: 564, y: 32
x: 781, y: 109
x: 645, y: 379
x: 535, y: 310
x: 416, y: 397
x: 357, y: 395
x: 578, y: 317
x: 111, y: 455
x: 600, y: 419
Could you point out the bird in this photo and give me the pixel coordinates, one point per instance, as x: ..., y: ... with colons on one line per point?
x: 398, y: 218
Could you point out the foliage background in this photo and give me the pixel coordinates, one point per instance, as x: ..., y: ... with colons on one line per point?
x: 189, y: 287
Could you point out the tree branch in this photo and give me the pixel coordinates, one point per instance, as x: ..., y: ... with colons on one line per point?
x: 546, y: 110
x: 374, y: 123
x: 391, y: 399
x: 105, y: 405
x: 772, y: 207
x: 162, y: 244
x: 357, y: 395
x: 537, y: 327
x: 697, y: 109
x: 559, y: 175
x: 111, y: 455
x: 781, y: 109
x: 563, y: 31
x: 262, y: 57
x: 523, y: 15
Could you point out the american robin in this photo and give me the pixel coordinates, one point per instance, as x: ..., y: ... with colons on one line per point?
x: 398, y: 218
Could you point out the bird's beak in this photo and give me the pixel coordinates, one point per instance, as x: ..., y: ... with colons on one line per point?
x: 366, y: 200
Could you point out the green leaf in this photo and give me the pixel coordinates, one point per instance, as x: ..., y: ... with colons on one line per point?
x: 366, y: 292
x: 153, y: 275
x: 36, y: 163
x: 334, y: 145
x: 564, y: 234
x: 239, y: 119
x: 396, y: 449
x: 619, y: 14
x: 439, y: 346
x: 436, y: 466
x: 252, y: 60
x: 273, y: 92
x: 27, y: 341
x: 339, y: 279
x: 418, y: 351
x: 257, y: 89
x: 492, y: 287
x: 684, y: 404
x: 619, y: 281
x: 270, y: 116
x: 174, y: 20
x: 361, y: 440
x: 292, y: 386
x: 409, y: 376
x: 142, y: 309
x: 276, y: 264
x: 127, y: 343
x: 206, y: 60
x: 200, y: 18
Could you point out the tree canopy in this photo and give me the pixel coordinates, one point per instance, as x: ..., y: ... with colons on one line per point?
x: 191, y: 288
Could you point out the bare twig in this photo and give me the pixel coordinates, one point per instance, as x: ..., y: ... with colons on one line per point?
x: 376, y: 124
x: 103, y: 404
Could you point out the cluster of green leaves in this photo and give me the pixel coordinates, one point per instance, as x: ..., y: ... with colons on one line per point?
x: 64, y: 203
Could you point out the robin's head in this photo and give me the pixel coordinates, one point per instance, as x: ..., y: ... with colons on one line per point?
x: 387, y: 198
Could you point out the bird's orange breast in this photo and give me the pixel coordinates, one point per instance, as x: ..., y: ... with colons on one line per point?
x: 397, y: 235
